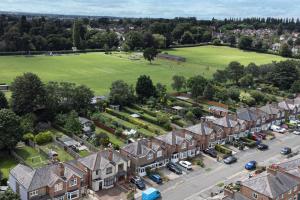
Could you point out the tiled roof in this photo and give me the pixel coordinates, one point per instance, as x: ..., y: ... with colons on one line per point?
x: 200, y: 129
x: 271, y: 185
x: 270, y: 109
x: 225, y: 122
x: 246, y: 114
x: 138, y: 148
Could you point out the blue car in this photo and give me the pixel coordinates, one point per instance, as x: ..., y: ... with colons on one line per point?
x: 251, y: 165
x: 156, y: 178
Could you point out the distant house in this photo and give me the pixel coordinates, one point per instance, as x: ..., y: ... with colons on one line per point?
x: 86, y: 126
x: 276, y: 47
x: 4, y: 87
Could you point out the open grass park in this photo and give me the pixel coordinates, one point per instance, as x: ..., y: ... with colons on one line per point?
x: 98, y: 70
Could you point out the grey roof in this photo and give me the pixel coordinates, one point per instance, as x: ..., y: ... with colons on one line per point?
x: 246, y: 114
x: 291, y: 164
x: 271, y: 185
x: 138, y: 148
x: 270, y: 109
x: 172, y: 138
x: 101, y: 159
x: 218, y: 108
x: 225, y: 122
x: 237, y: 196
x: 286, y: 105
x: 200, y: 129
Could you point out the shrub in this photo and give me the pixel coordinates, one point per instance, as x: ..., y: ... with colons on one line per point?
x: 223, y: 150
x: 27, y: 137
x: 43, y: 138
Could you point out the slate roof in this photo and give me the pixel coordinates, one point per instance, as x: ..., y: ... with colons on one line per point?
x: 291, y: 164
x: 270, y: 109
x: 138, y: 148
x: 225, y: 122
x: 246, y: 114
x: 33, y: 179
x: 200, y: 129
x: 271, y: 185
x: 237, y: 196
x: 172, y: 138
x: 286, y: 105
x: 101, y: 159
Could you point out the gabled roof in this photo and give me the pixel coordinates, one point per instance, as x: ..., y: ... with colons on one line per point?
x: 173, y: 138
x: 246, y: 114
x: 200, y: 129
x: 271, y: 185
x: 101, y: 159
x: 270, y: 109
x: 226, y: 122
x: 138, y: 148
x: 286, y: 105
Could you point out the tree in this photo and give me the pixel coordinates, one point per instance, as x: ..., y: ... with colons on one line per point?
x: 121, y: 93
x: 79, y: 32
x: 148, y: 40
x: 3, y: 101
x: 9, y: 195
x: 235, y: 71
x: 160, y: 41
x: 246, y: 81
x: 28, y: 94
x: 72, y: 124
x: 134, y: 40
x: 149, y: 54
x: 233, y: 93
x: 187, y: 38
x: 144, y: 87
x: 10, y: 129
x: 196, y: 85
x: 102, y: 139
x: 252, y: 69
x: 245, y: 42
x: 161, y: 93
x: 247, y: 99
x: 220, y: 76
x: 82, y: 99
x: 284, y: 74
x: 209, y: 91
x: 190, y: 116
x: 28, y: 123
x: 295, y: 88
x: 179, y: 83
x: 285, y: 51
x: 216, y: 42
x: 232, y: 40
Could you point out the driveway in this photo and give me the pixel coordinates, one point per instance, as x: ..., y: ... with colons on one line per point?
x: 115, y: 193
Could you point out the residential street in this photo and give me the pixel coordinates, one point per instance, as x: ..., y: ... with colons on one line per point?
x: 197, y: 185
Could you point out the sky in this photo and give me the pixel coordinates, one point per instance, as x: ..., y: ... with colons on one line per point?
x: 202, y: 9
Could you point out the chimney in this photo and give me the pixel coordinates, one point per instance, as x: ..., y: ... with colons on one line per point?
x: 272, y: 169
x: 110, y: 154
x: 60, y: 169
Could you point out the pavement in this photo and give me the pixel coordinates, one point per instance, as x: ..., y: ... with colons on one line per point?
x: 198, y: 184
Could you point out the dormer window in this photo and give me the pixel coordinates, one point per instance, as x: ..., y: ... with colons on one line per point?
x: 159, y: 154
x: 73, y: 182
x: 108, y: 170
x: 150, y: 156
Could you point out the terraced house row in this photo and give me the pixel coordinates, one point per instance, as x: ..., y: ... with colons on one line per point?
x: 69, y: 180
x: 189, y: 142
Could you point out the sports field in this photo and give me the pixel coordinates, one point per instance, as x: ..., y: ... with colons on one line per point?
x: 98, y: 71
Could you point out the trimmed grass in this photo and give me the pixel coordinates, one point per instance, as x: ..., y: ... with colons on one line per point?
x: 62, y: 154
x: 84, y: 153
x: 98, y: 71
x: 112, y: 138
x: 7, y: 162
x: 31, y: 156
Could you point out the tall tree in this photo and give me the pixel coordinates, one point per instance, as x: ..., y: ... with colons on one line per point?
x: 121, y: 93
x: 245, y: 42
x: 196, y: 85
x: 3, y: 101
x: 235, y: 71
x: 179, y: 82
x: 10, y: 129
x: 28, y: 94
x: 285, y: 51
x: 72, y: 124
x: 144, y: 87
x: 149, y: 54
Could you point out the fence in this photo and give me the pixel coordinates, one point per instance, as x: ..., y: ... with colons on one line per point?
x: 104, y: 127
x: 89, y: 145
x: 66, y: 148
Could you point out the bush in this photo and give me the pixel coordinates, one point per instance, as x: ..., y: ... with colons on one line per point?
x: 43, y: 138
x: 223, y: 150
x: 248, y: 142
x: 27, y: 137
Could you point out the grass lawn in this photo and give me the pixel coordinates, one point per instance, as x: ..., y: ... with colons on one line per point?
x: 112, y: 138
x: 62, y: 154
x: 84, y: 153
x: 31, y: 156
x: 98, y: 71
x: 7, y: 162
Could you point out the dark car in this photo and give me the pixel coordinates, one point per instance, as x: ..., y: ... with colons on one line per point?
x: 286, y: 151
x: 174, y: 168
x: 156, y: 178
x: 211, y: 152
x: 138, y: 182
x: 262, y: 146
x: 251, y: 165
x: 230, y: 160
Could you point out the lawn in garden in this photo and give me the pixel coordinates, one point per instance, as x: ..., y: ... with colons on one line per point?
x: 98, y: 70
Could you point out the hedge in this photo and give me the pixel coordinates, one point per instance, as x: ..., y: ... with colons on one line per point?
x: 248, y: 142
x: 31, y: 53
x: 152, y: 120
x: 43, y: 138
x: 223, y: 149
x: 149, y: 112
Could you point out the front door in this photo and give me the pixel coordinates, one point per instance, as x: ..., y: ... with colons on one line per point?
x: 100, y: 185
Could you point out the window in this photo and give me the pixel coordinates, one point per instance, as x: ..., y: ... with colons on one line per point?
x: 290, y: 191
x: 183, y: 146
x: 295, y: 197
x: 109, y: 181
x: 97, y: 172
x: 149, y: 156
x: 73, y: 182
x: 159, y: 154
x: 255, y: 195
x: 295, y: 188
x: 73, y: 195
x: 60, y: 198
x: 33, y: 193
x: 212, y: 136
x: 109, y: 170
x: 58, y: 187
x: 121, y: 167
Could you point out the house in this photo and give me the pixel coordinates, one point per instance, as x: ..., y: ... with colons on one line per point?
x: 56, y: 181
x: 145, y: 154
x: 276, y: 115
x: 218, y: 111
x: 87, y: 126
x: 276, y: 47
x: 289, y: 107
x: 205, y: 136
x: 179, y: 145
x: 256, y: 119
x: 104, y: 168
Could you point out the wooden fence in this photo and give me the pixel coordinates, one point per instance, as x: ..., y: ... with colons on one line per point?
x: 66, y: 148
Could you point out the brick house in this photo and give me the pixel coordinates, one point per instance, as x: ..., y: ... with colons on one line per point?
x: 57, y: 181
x: 290, y: 108
x: 256, y: 119
x: 104, y: 169
x: 276, y: 114
x: 145, y: 154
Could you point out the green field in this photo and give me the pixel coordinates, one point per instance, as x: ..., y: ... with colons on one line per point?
x: 98, y: 70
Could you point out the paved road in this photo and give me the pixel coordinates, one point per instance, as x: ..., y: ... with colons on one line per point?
x: 195, y: 184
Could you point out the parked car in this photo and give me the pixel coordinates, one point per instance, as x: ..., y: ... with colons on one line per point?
x: 296, y: 132
x: 151, y: 194
x: 211, y: 152
x: 174, y: 168
x: 262, y: 146
x: 295, y: 122
x: 138, y: 182
x: 251, y: 165
x: 156, y: 178
x: 277, y: 129
x: 286, y: 150
x: 187, y: 165
x: 230, y: 160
